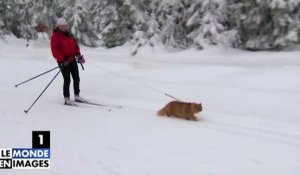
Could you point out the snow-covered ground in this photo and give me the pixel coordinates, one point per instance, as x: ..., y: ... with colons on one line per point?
x: 250, y: 123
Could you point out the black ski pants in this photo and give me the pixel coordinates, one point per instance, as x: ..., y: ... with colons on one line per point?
x: 67, y: 72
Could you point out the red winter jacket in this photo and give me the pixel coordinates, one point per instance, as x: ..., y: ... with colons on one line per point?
x: 63, y: 46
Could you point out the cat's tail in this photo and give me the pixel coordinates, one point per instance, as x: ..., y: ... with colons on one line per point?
x: 161, y: 112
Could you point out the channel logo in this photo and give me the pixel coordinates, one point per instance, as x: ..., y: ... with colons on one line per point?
x: 37, y: 157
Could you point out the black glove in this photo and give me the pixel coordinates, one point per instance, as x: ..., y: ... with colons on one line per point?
x: 80, y: 59
x: 64, y: 64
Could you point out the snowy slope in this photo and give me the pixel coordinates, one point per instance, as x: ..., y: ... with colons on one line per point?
x: 250, y: 124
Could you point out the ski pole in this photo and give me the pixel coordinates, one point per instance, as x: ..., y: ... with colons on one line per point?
x: 35, y: 77
x: 26, y: 111
x: 82, y: 66
x: 79, y: 57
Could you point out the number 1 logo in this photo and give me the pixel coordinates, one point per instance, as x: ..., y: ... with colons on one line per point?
x: 40, y: 139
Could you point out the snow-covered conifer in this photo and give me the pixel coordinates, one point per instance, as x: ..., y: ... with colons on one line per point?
x: 79, y: 23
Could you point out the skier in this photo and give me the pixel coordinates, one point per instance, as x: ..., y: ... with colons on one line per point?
x: 65, y: 50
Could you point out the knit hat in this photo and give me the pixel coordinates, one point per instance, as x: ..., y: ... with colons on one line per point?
x: 61, y: 21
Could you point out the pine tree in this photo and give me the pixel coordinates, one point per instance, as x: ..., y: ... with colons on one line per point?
x: 294, y: 6
x: 153, y: 32
x: 213, y: 22
x: 285, y: 22
x: 168, y: 32
x: 146, y: 27
x: 173, y: 30
x: 271, y: 24
x: 139, y: 39
x: 6, y: 17
x: 120, y: 29
x: 253, y: 25
x: 193, y: 22
x: 80, y: 26
x: 21, y: 25
x: 257, y: 25
x: 3, y: 8
x: 102, y: 13
x: 44, y: 13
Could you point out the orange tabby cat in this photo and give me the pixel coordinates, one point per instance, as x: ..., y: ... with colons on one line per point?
x: 181, y: 110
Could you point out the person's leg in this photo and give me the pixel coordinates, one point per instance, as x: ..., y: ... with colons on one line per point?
x: 76, y: 81
x: 75, y: 76
x: 67, y: 80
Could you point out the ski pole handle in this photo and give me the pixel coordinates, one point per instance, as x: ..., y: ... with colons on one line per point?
x: 80, y: 59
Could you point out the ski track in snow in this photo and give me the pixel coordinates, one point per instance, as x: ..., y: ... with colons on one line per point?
x: 269, y: 135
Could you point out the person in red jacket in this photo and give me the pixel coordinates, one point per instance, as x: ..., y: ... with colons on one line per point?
x: 65, y: 50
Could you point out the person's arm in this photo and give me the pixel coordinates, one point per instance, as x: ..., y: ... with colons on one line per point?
x: 56, y: 50
x: 77, y: 49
